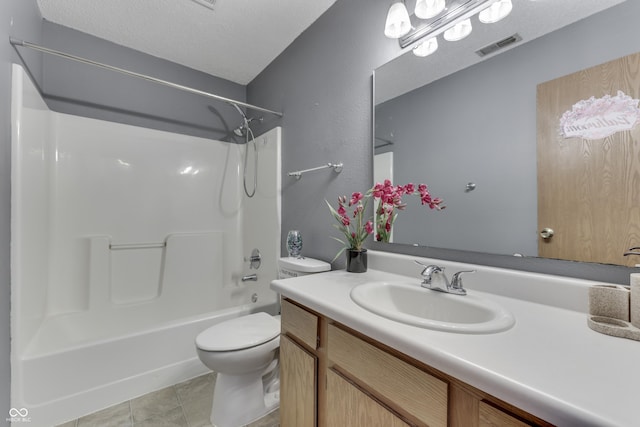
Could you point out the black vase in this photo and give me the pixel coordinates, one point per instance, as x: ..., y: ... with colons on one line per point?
x: 356, y: 260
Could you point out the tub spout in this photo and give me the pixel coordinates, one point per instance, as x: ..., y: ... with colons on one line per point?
x: 252, y: 277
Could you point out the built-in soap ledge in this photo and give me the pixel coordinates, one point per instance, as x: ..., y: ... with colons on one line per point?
x: 615, y: 310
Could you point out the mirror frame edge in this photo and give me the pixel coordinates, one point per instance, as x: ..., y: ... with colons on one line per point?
x: 581, y: 270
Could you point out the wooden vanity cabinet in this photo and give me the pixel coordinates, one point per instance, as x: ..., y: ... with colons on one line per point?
x: 332, y: 376
x: 298, y: 366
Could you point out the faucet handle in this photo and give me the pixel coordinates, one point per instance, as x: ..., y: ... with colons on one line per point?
x: 429, y: 269
x: 456, y: 282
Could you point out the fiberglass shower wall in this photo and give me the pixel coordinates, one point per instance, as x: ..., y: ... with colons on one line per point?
x: 116, y: 217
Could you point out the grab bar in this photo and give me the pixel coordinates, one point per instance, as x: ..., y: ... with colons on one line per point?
x: 125, y: 246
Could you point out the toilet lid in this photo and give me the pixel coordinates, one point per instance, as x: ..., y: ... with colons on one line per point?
x: 241, y: 332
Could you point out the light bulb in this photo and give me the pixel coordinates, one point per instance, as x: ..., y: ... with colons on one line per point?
x: 426, y: 9
x: 459, y: 31
x: 426, y: 47
x: 495, y: 12
x: 398, y: 23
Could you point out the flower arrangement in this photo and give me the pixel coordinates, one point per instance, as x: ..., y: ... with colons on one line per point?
x: 390, y: 202
x: 352, y: 223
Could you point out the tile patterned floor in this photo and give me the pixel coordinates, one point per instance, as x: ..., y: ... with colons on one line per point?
x: 187, y: 404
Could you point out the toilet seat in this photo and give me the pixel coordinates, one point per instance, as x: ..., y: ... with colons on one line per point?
x: 239, y: 333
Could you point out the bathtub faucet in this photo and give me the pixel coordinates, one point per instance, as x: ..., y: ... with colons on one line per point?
x: 252, y: 277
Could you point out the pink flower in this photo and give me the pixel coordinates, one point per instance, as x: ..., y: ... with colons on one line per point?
x: 378, y: 190
x: 355, y: 198
x: 350, y: 211
x: 368, y: 227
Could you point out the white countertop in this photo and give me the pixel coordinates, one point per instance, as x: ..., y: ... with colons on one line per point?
x: 549, y: 364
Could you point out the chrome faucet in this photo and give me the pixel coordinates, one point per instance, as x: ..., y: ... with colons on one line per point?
x: 250, y: 277
x: 433, y: 278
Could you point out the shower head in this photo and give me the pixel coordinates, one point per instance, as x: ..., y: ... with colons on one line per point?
x: 239, y: 131
x: 244, y: 126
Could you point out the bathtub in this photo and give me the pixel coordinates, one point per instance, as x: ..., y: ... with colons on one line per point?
x: 92, y: 374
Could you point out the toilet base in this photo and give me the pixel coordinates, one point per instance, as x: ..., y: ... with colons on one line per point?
x: 241, y: 399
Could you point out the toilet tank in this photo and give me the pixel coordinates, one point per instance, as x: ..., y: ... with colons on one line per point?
x: 295, y: 267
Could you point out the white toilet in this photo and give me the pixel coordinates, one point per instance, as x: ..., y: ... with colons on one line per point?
x: 244, y: 353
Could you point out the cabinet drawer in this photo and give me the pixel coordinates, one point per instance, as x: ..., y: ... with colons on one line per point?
x: 300, y: 323
x: 394, y: 381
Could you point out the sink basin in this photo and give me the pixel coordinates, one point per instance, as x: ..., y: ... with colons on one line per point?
x: 414, y: 305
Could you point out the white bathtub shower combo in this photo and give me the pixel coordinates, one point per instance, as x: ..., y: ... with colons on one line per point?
x: 127, y: 243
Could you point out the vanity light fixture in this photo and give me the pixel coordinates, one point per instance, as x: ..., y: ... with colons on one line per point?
x: 398, y: 23
x: 426, y: 9
x: 495, y: 12
x: 453, y: 20
x: 426, y: 47
x: 459, y: 31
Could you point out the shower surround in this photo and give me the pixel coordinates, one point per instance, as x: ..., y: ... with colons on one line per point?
x: 126, y: 243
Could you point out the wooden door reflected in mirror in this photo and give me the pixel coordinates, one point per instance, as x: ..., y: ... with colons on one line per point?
x: 589, y: 187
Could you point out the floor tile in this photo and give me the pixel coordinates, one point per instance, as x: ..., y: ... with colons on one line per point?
x: 114, y: 416
x: 171, y: 418
x: 196, y: 397
x: 196, y: 388
x: 152, y: 404
x: 186, y: 404
x: 270, y: 420
x: 198, y: 411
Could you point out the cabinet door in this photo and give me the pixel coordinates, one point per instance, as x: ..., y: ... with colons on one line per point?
x: 297, y: 385
x: 350, y: 407
x: 493, y: 417
x: 397, y: 383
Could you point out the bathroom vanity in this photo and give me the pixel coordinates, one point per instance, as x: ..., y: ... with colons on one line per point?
x: 344, y: 365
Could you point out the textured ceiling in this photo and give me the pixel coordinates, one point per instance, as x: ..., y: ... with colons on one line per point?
x: 529, y: 18
x: 235, y: 41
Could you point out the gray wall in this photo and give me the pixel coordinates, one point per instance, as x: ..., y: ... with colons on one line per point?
x: 461, y: 129
x: 18, y: 18
x: 322, y: 82
x: 80, y: 89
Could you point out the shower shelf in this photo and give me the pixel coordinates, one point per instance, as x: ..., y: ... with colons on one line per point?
x: 337, y: 167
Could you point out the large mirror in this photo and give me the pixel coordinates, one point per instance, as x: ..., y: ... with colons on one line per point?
x: 466, y: 125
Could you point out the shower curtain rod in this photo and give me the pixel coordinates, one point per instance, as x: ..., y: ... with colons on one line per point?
x: 16, y: 42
